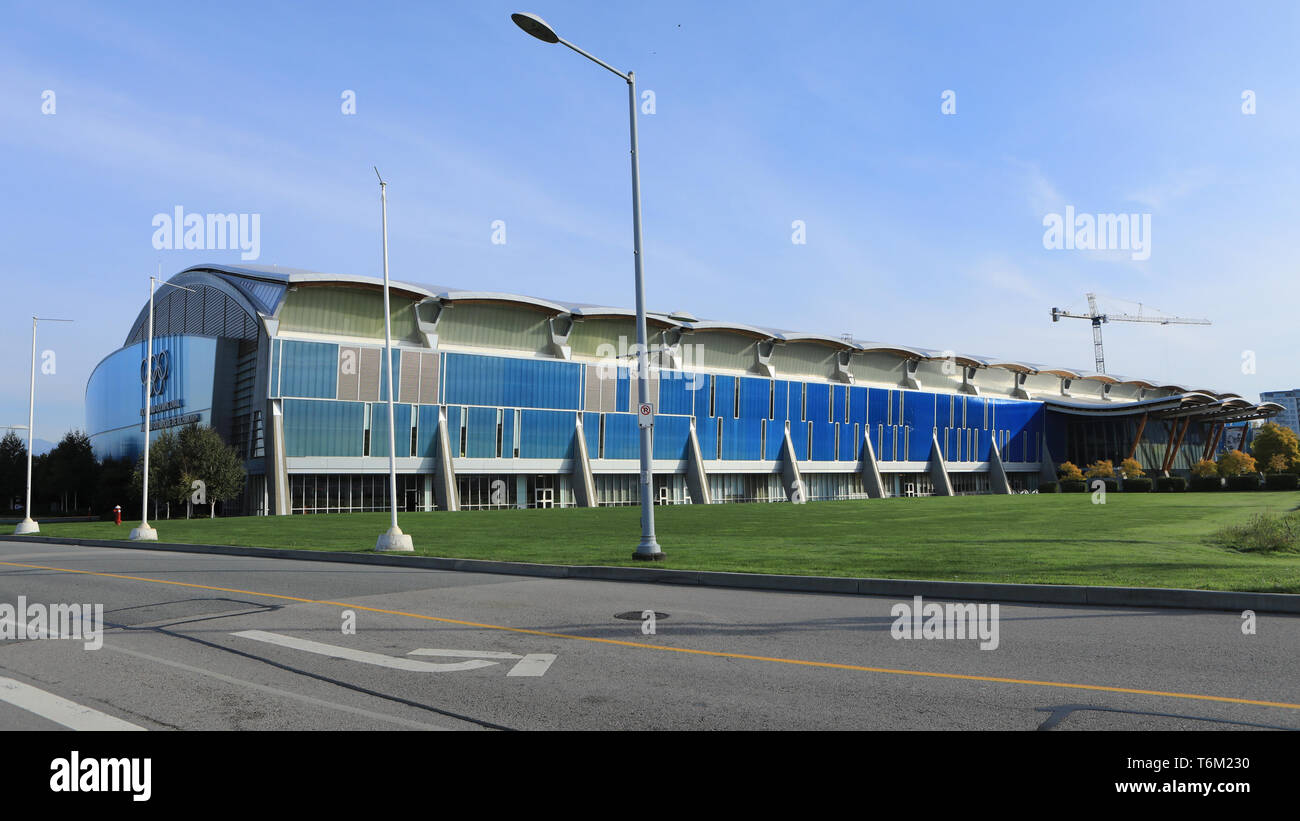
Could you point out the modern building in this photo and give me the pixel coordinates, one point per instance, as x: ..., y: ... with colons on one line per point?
x: 516, y: 401
x: 1290, y: 403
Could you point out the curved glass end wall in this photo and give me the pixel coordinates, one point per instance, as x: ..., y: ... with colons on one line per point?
x: 191, y: 379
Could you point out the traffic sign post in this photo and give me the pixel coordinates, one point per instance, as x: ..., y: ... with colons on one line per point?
x: 645, y: 416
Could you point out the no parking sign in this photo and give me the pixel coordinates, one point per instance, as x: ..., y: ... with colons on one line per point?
x: 645, y: 415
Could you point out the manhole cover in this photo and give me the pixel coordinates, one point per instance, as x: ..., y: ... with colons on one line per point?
x: 636, y: 615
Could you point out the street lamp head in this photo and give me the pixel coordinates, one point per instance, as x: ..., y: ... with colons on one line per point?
x: 535, y: 26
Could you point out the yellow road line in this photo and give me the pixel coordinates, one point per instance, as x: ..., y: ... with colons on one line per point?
x: 692, y: 651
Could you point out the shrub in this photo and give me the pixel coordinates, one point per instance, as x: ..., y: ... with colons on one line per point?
x: 1204, y: 468
x: 1281, y: 481
x: 1170, y: 484
x: 1101, y: 469
x: 1131, y: 469
x: 1069, y: 470
x: 1264, y: 533
x: 1207, y: 483
x: 1235, y: 463
x: 1048, y: 487
x: 1244, y: 481
x: 1139, y: 485
x: 1073, y: 485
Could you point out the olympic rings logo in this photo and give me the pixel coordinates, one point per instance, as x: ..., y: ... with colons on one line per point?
x: 157, y: 376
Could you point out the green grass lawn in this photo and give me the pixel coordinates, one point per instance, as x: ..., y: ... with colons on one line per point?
x: 1152, y: 540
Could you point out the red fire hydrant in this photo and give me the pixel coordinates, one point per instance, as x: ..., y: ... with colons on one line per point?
x: 117, y: 514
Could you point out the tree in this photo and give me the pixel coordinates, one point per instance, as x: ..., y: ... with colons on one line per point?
x: 206, y: 458
x: 164, y: 469
x: 195, y: 454
x: 72, y: 470
x: 13, y: 469
x: 1069, y: 471
x: 1276, y: 440
x: 1235, y: 463
x: 1101, y: 469
x: 1131, y: 469
x: 1205, y: 468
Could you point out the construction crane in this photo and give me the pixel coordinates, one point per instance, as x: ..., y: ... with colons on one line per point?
x: 1098, y: 318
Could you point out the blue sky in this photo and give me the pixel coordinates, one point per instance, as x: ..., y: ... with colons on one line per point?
x: 922, y: 228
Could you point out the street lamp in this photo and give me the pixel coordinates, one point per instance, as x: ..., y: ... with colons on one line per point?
x: 28, y: 524
x: 145, y: 533
x: 648, y: 549
x: 394, y: 539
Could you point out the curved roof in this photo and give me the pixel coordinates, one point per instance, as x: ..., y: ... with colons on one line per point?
x: 267, y: 300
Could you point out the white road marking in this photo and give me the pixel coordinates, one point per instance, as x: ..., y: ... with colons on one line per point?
x: 363, y: 656
x: 465, y: 654
x: 533, y: 664
x: 58, y: 709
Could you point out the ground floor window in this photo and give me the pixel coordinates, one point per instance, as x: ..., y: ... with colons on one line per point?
x: 1023, y: 482
x: 354, y: 493
x: 969, y: 484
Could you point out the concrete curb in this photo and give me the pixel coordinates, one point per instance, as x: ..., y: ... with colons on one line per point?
x: 895, y: 588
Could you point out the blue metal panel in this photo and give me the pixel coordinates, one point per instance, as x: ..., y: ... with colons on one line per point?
x: 501, y: 381
x: 379, y: 429
x: 546, y: 434
x: 591, y: 434
x: 755, y: 396
x: 310, y: 369
x: 481, y: 433
x: 675, y: 395
x: 887, y: 443
x: 741, y: 439
x: 858, y: 405
x: 383, y: 375
x: 840, y: 393
x: 781, y: 403
x: 918, y: 414
x: 426, y: 434
x: 775, y: 436
x: 453, y: 429
x: 323, y: 428
x: 848, y: 450
x: 819, y: 402
x: 878, y: 402
x: 671, y: 435
x: 974, y: 412
x: 724, y: 403
x: 508, y: 434
x: 823, y: 441
x: 622, y: 436
x: 622, y: 390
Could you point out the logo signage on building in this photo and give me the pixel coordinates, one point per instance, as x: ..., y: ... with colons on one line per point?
x: 156, y: 376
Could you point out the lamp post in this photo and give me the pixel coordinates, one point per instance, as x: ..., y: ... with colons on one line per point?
x: 394, y: 539
x: 143, y: 532
x: 648, y: 549
x: 28, y: 524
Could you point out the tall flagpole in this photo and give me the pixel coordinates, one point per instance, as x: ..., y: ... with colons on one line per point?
x: 394, y: 539
x: 28, y: 524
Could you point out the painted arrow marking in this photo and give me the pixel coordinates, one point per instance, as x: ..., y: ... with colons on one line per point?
x: 378, y: 659
x: 532, y: 664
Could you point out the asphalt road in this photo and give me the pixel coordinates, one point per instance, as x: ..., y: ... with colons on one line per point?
x: 199, y: 642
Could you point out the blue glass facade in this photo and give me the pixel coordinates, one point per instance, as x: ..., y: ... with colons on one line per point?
x: 185, y: 371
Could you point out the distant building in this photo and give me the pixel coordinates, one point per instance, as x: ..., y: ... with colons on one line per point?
x: 1290, y: 402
